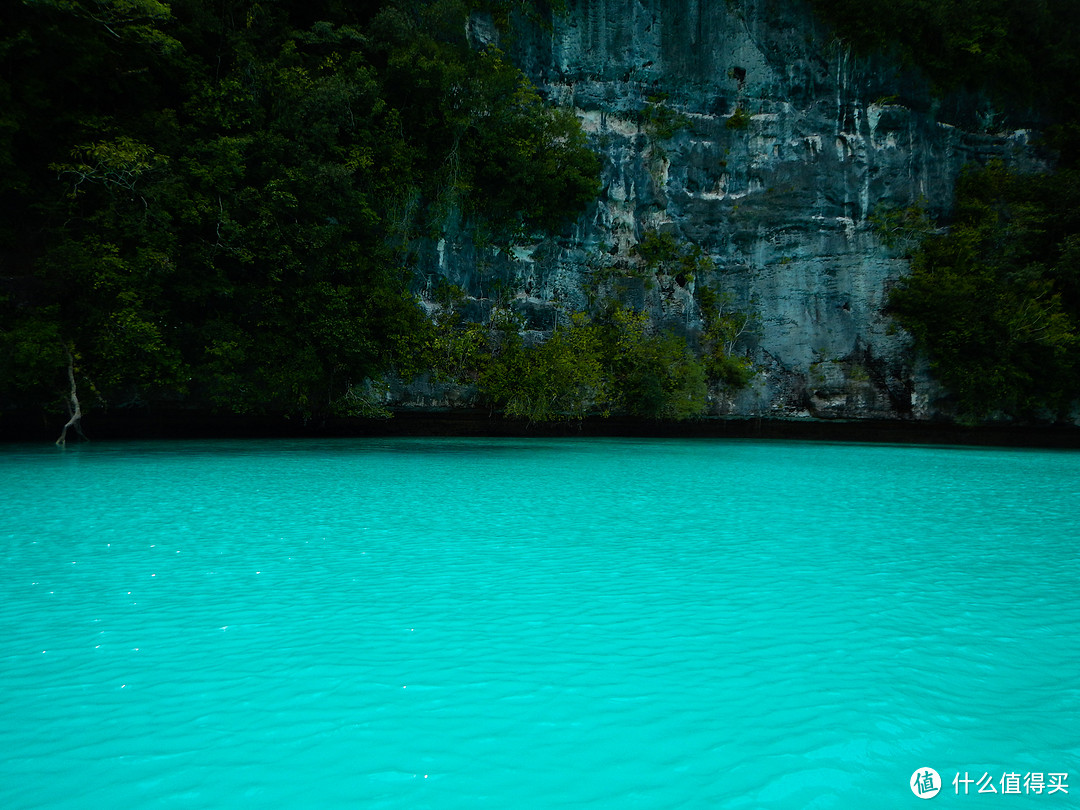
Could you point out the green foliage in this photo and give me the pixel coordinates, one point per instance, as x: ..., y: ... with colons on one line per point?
x: 663, y: 254
x: 654, y: 376
x: 740, y: 119
x: 994, y: 302
x: 902, y: 228
x: 616, y: 363
x: 458, y: 348
x: 1024, y: 54
x: 365, y: 400
x: 527, y: 165
x: 611, y: 365
x: 118, y: 164
x: 32, y: 355
x: 210, y: 204
x: 660, y: 120
x: 723, y: 326
x: 559, y: 379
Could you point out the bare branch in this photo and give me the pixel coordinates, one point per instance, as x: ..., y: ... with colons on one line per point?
x: 74, y: 408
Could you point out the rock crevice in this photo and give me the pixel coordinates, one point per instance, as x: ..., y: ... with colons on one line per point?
x: 746, y: 129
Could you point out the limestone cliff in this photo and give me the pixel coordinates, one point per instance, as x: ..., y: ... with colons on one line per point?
x: 782, y: 146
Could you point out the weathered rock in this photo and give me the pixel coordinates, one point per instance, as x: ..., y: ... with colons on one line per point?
x: 784, y: 145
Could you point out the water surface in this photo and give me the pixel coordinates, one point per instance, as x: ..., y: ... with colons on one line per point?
x: 454, y: 623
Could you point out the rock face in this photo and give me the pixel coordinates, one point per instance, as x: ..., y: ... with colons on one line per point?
x: 745, y: 128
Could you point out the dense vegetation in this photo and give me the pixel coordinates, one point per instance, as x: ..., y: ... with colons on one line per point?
x: 993, y: 299
x: 608, y: 360
x: 211, y: 201
x: 613, y: 362
x: 1021, y: 57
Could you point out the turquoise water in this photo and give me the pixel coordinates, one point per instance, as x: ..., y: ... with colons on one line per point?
x: 432, y: 623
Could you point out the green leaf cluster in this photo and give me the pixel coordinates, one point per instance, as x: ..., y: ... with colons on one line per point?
x: 738, y: 120
x: 211, y: 203
x: 1020, y: 55
x: 660, y: 120
x: 902, y: 227
x: 995, y: 302
x: 724, y: 324
x: 662, y: 253
x: 559, y: 379
x: 613, y: 364
x: 654, y: 375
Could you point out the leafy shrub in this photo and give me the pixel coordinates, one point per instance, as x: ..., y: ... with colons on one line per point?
x: 740, y: 119
x: 660, y: 120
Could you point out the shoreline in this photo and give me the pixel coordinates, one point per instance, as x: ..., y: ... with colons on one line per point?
x: 161, y: 424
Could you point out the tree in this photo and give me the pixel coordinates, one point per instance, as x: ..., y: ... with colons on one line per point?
x: 993, y: 301
x: 214, y: 201
x: 560, y: 379
x: 652, y: 375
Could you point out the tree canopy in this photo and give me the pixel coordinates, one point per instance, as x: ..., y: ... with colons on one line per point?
x: 995, y: 300
x: 1021, y: 56
x: 210, y: 201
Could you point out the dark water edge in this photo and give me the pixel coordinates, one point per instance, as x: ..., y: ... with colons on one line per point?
x: 163, y: 424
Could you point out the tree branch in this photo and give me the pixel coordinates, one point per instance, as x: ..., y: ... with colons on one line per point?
x: 74, y: 409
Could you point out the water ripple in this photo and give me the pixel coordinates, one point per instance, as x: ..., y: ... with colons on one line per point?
x: 456, y: 623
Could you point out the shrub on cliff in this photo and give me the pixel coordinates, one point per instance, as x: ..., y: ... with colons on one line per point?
x: 559, y: 379
x: 611, y: 365
x: 653, y: 375
x: 1022, y: 54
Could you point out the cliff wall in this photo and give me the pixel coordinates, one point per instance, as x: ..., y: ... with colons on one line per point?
x: 747, y: 129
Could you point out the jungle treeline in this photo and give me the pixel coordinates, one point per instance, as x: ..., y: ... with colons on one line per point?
x: 214, y: 203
